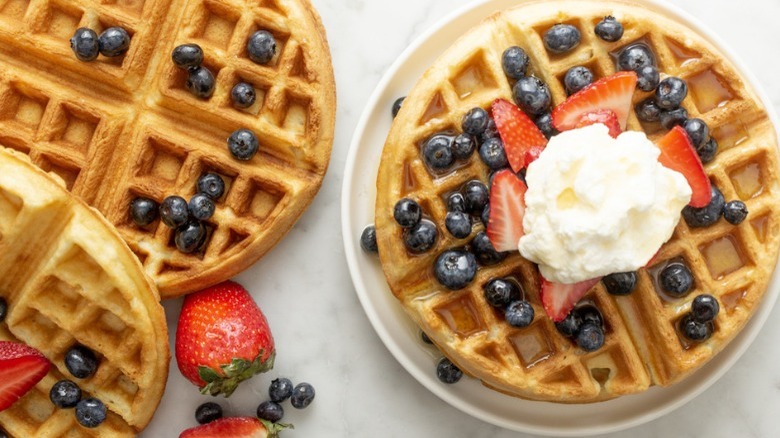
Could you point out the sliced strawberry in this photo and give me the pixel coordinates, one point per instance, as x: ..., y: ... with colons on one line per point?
x: 21, y: 367
x: 235, y: 427
x: 605, y: 117
x: 612, y: 93
x: 507, y: 207
x: 558, y: 299
x: 518, y: 132
x: 677, y: 153
x: 532, y: 154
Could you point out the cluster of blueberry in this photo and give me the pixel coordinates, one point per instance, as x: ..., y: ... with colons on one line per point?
x: 676, y: 280
x: 186, y: 218
x: 585, y: 325
x: 505, y: 295
x: 87, y: 45
x: 271, y: 410
x: 733, y: 211
x: 82, y: 363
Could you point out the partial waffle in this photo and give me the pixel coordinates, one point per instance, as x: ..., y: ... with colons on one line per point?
x: 68, y: 277
x: 643, y: 347
x: 118, y: 128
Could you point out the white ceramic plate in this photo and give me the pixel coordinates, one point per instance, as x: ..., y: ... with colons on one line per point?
x: 402, y: 337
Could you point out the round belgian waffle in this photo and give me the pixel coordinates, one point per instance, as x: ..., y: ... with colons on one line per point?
x: 643, y: 346
x: 118, y: 128
x: 68, y: 277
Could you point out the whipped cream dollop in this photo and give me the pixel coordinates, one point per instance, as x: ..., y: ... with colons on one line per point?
x: 597, y: 205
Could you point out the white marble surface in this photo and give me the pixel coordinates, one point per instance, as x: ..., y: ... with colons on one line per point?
x: 324, y: 337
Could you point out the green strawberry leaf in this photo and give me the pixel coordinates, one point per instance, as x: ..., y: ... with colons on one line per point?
x: 232, y: 374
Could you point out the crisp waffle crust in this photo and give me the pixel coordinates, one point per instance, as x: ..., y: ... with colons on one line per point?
x: 642, y: 348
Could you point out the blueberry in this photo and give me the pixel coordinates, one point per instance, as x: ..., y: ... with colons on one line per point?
x: 397, y: 105
x: 261, y: 47
x: 647, y: 78
x: 621, y: 283
x: 704, y: 308
x: 143, y: 211
x: 476, y: 195
x: 407, y: 213
x: 634, y: 57
x: 544, y: 123
x: 455, y: 269
x: 490, y: 132
x: 484, y: 251
x: 65, y: 394
x: 485, y: 216
x: 187, y: 56
x: 670, y: 93
x: 590, y: 337
x: 577, y: 78
x: 532, y: 95
x: 648, y: 111
x: 437, y: 152
x: 463, y: 146
x: 515, y: 62
x: 270, y: 411
x: 211, y: 185
x: 90, y: 412
x: 561, y: 38
x: 280, y: 390
x: 201, y: 207
x: 475, y: 121
x: 707, y: 215
x: 698, y: 132
x: 243, y: 95
x: 676, y: 279
x: 114, y: 41
x: 671, y: 118
x: 458, y: 224
x: 421, y: 237
x: 456, y: 202
x: 243, y: 144
x: 85, y: 45
x: 500, y: 292
x: 200, y: 82
x: 174, y: 211
x: 368, y: 239
x: 425, y: 338
x: 447, y: 372
x: 735, y: 212
x: 708, y: 150
x: 519, y: 314
x: 302, y: 395
x: 590, y: 315
x: 570, y: 325
x: 81, y: 361
x: 493, y: 154
x: 190, y: 237
x: 609, y: 29
x: 3, y: 309
x: 695, y: 330
x: 208, y: 412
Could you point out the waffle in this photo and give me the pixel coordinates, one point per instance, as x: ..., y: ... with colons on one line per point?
x: 642, y: 347
x: 68, y: 277
x: 118, y: 128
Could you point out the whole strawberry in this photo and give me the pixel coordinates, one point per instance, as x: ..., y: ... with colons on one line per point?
x: 222, y: 339
x: 236, y: 427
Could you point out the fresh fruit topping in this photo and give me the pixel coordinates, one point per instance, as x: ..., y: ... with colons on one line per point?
x: 492, y: 153
x: 208, y: 412
x: 3, y: 309
x: 648, y: 78
x: 634, y: 57
x: 585, y: 325
x: 577, y: 78
x: 475, y: 121
x: 424, y: 337
x: 558, y: 299
x: 222, y: 339
x: 261, y: 47
x: 590, y: 314
x: 610, y: 93
x: 670, y: 93
x: 65, y: 394
x: 671, y: 118
x: 507, y: 207
x: 678, y: 154
x: 490, y: 132
x: 456, y: 202
x: 620, y: 283
x: 648, y: 111
x: 190, y: 237
x: 187, y: 56
x: 463, y: 146
x: 368, y: 239
x: 84, y: 44
x: 270, y: 411
x: 484, y: 250
x: 532, y: 95
x: 735, y: 212
x: 114, y: 41
x: 143, y: 211
x: 676, y: 279
x: 531, y: 155
x: 607, y: 118
x: 476, y: 195
x: 448, y: 372
x: 200, y: 82
x: 397, y: 106
x: 302, y: 395
x: 704, y: 308
x: 708, y: 150
x: 211, y: 185
x: 695, y: 330
x: 570, y: 325
x: 500, y: 292
x: 407, y: 212
x: 485, y: 215
x: 515, y: 62
x: 437, y: 153
x: 236, y: 427
x: 519, y: 314
x: 561, y: 38
x: 698, y: 132
x: 421, y: 237
x: 90, y: 412
x: 174, y: 211
x: 609, y: 29
x: 242, y: 144
x: 518, y: 133
x: 590, y: 337
x: 201, y: 207
x: 21, y: 367
x: 280, y: 390
x: 707, y: 215
x: 458, y: 224
x: 243, y: 95
x: 545, y: 124
x: 81, y: 361
x: 455, y: 269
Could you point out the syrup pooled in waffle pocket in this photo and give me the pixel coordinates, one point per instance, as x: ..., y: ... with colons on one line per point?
x: 451, y: 189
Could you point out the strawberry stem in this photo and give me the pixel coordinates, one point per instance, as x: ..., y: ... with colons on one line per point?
x: 232, y: 374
